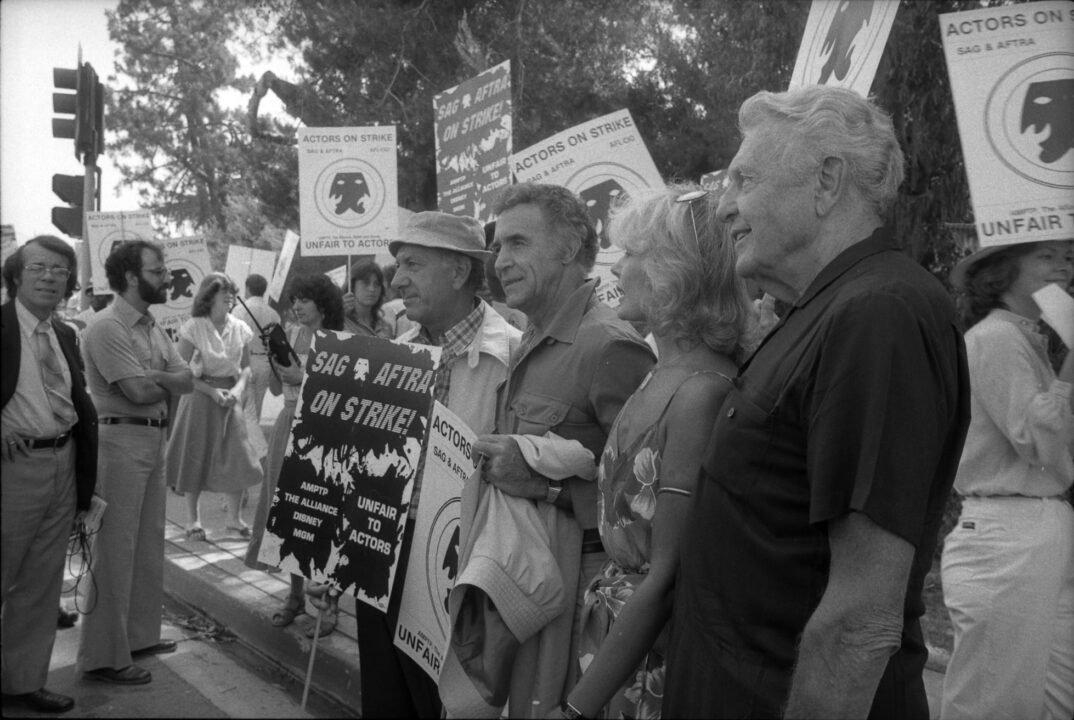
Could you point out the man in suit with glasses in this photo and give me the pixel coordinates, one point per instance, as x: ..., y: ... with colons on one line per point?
x: 49, y: 458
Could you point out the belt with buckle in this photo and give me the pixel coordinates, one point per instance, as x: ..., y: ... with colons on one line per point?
x: 147, y: 422
x: 591, y: 541
x: 56, y: 442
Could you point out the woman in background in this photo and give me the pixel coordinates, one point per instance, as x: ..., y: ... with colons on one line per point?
x: 209, y: 448
x: 317, y: 304
x: 362, y: 304
x: 677, y: 275
x: 1008, y: 565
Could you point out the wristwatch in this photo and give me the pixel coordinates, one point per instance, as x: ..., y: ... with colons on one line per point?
x: 569, y: 711
x: 555, y: 487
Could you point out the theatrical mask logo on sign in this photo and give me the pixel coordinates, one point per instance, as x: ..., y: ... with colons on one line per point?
x: 442, y: 556
x: 843, y: 42
x: 113, y: 240
x: 848, y: 21
x: 1029, y: 119
x: 185, y: 280
x: 349, y: 193
x: 600, y: 186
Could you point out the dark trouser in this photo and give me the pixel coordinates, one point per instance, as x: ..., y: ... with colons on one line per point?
x: 393, y: 685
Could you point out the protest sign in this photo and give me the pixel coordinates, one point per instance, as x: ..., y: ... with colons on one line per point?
x: 106, y: 230
x: 473, y: 142
x: 347, y: 473
x: 8, y: 245
x: 599, y: 160
x: 1012, y: 78
x: 1057, y: 309
x: 348, y: 190
x: 188, y: 260
x: 338, y: 276
x: 715, y: 181
x: 422, y: 629
x: 244, y: 261
x: 283, y: 266
x: 843, y: 43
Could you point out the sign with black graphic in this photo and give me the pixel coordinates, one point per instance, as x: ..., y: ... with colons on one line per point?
x: 188, y: 260
x: 473, y: 143
x: 348, y: 190
x: 843, y: 42
x: 1012, y: 78
x: 602, y: 161
x: 106, y: 230
x: 344, y: 487
x: 423, y: 628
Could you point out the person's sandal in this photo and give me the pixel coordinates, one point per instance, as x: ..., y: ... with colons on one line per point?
x: 195, y: 533
x: 294, y: 607
x: 242, y: 531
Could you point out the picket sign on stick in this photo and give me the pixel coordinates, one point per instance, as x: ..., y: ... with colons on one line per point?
x: 309, y: 666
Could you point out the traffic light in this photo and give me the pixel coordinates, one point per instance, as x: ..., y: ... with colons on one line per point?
x: 70, y: 189
x: 85, y: 106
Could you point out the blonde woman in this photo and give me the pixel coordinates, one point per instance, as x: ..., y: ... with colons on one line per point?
x: 677, y: 276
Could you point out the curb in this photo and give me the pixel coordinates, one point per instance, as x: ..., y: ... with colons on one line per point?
x: 211, y: 578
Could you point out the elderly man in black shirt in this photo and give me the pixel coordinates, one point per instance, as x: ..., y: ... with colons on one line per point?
x: 819, y: 504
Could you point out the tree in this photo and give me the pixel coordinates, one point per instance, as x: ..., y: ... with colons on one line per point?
x: 682, y: 67
x: 187, y: 154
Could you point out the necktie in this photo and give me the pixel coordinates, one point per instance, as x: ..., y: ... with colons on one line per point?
x: 59, y: 395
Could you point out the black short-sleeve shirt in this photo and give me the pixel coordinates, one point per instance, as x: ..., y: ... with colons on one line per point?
x: 856, y: 401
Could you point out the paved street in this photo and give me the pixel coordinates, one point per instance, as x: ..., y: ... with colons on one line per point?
x: 209, y: 676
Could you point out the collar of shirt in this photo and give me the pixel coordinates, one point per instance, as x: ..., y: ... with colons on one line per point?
x: 1028, y: 327
x: 128, y: 314
x: 456, y: 339
x: 883, y: 238
x: 493, y: 338
x: 362, y: 324
x: 565, y: 323
x: 28, y: 322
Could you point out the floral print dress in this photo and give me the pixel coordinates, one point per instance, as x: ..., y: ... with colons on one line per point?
x: 628, y: 479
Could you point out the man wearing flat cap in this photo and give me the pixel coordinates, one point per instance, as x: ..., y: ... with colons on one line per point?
x: 441, y: 267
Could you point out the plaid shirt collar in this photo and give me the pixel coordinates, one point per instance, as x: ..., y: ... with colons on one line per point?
x: 459, y: 336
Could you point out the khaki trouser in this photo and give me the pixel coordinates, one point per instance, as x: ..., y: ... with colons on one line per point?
x: 1008, y: 581
x: 125, y: 589
x: 37, y: 507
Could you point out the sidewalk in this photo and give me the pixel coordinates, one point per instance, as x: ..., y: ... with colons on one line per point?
x: 211, y: 577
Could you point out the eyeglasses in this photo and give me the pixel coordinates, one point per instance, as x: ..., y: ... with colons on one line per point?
x: 58, y: 271
x: 689, y: 199
x: 159, y: 272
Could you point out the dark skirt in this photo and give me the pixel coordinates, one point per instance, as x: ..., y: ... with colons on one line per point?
x: 209, y: 449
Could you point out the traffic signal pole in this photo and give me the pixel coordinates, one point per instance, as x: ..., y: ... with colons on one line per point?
x: 82, y: 119
x: 89, y: 193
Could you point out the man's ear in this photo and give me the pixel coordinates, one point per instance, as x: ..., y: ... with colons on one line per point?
x: 571, y: 247
x: 831, y: 184
x: 460, y: 270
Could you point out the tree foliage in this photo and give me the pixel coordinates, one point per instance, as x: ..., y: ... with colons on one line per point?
x: 188, y: 155
x: 682, y: 67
